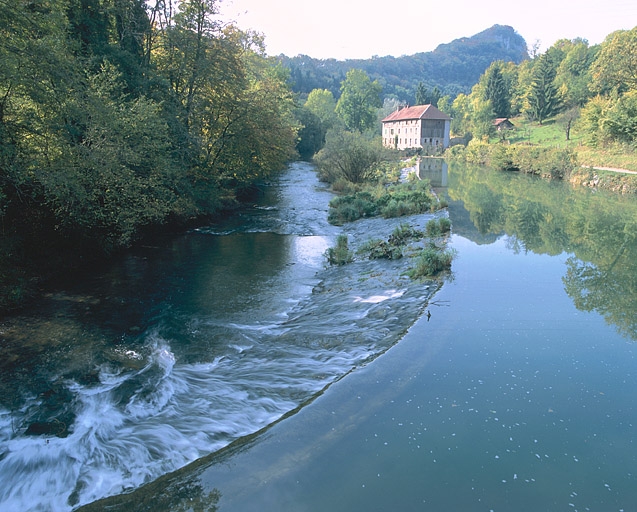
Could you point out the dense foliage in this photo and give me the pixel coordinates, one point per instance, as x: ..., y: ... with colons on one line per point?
x: 553, y: 163
x: 590, y: 90
x: 117, y: 116
x: 395, y: 200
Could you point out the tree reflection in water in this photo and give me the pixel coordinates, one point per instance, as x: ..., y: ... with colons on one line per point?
x: 596, y: 229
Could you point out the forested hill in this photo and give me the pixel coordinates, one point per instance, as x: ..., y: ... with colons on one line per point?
x: 453, y: 67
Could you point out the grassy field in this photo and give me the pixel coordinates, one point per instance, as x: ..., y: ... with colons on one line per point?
x: 552, y: 134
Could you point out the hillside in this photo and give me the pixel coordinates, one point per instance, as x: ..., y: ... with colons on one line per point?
x: 454, y: 67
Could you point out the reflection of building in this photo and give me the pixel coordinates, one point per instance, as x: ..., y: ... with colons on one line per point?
x: 434, y: 170
x: 420, y: 127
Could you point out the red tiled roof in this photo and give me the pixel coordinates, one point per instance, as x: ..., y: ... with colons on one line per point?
x: 417, y: 112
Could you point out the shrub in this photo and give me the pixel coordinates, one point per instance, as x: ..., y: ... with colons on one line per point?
x: 432, y: 228
x: 403, y: 233
x: 351, y: 156
x: 340, y: 255
x: 379, y: 249
x: 445, y: 224
x: 502, y: 159
x: 342, y: 186
x: 430, y: 262
x: 396, y: 209
x: 351, y: 207
x: 477, y: 152
x: 437, y: 227
x: 391, y: 201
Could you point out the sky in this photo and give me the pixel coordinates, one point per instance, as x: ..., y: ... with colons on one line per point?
x: 352, y: 29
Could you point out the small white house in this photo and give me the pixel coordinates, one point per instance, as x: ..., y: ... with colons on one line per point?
x: 420, y: 127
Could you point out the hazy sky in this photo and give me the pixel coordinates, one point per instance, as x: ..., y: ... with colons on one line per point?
x: 362, y: 28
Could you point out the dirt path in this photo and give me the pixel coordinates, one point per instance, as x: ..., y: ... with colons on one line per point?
x: 611, y: 169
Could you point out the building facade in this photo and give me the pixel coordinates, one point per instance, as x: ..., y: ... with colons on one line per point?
x: 420, y: 127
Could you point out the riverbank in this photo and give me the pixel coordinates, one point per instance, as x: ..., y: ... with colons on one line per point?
x: 622, y: 181
x: 547, y: 162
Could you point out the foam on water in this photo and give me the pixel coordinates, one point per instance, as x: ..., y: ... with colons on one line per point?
x: 134, y: 426
x: 212, y: 366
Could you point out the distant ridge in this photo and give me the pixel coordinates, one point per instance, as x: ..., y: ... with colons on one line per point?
x: 453, y: 67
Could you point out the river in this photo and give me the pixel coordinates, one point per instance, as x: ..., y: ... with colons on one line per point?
x: 516, y: 394
x: 172, y: 352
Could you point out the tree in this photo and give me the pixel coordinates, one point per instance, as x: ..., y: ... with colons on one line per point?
x: 352, y: 156
x: 426, y: 97
x: 186, y: 52
x: 543, y: 99
x: 311, y: 134
x: 322, y: 104
x: 460, y: 113
x: 615, y: 67
x: 592, y: 118
x: 421, y: 94
x: 360, y: 98
x: 573, y: 76
x: 620, y: 121
x: 316, y: 116
x: 481, y: 117
x: 496, y: 91
x: 567, y: 118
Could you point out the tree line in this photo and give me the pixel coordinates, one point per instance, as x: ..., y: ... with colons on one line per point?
x: 592, y: 88
x: 117, y: 116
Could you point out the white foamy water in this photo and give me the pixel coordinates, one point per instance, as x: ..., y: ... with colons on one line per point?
x: 216, y: 337
x: 134, y: 426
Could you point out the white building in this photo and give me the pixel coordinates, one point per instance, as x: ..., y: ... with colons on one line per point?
x: 420, y: 127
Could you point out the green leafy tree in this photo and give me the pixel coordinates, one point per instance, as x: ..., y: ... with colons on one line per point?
x: 543, y: 99
x: 352, y: 156
x: 460, y: 113
x: 359, y: 101
x: 592, y: 119
x: 321, y: 103
x: 421, y: 94
x: 317, y: 116
x: 426, y: 97
x: 615, y: 67
x: 481, y: 117
x: 620, y: 120
x: 573, y: 77
x: 520, y: 87
x: 311, y: 133
x: 496, y: 91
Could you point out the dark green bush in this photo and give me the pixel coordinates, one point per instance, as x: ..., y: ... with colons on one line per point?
x: 430, y: 262
x: 380, y: 249
x: 340, y: 254
x: 437, y: 227
x: 403, y: 233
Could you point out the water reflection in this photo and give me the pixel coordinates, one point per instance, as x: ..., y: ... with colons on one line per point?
x: 435, y: 170
x: 598, y: 229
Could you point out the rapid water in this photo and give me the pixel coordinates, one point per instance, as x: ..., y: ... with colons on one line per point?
x: 517, y: 394
x: 173, y: 352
